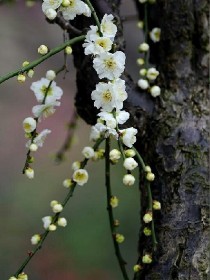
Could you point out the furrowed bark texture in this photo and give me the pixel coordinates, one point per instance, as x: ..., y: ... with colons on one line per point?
x: 173, y: 133
x: 177, y: 143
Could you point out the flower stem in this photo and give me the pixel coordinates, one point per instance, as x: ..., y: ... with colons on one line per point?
x: 42, y: 58
x: 94, y: 15
x: 121, y: 262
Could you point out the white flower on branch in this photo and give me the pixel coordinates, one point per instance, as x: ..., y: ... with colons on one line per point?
x: 29, y: 124
x: 155, y: 34
x: 129, y: 136
x: 106, y: 131
x: 50, y: 4
x: 80, y: 176
x: 152, y: 73
x: 45, y: 110
x: 130, y: 163
x: 41, y: 88
x: 75, y: 7
x: 88, y: 152
x: 94, y: 44
x: 108, y: 28
x: 47, y: 220
x: 109, y: 65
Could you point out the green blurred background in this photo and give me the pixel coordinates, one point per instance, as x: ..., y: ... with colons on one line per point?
x: 82, y: 250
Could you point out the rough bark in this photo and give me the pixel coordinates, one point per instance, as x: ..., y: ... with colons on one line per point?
x: 179, y: 141
x: 173, y: 133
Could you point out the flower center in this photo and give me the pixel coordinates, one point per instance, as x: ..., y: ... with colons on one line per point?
x: 110, y: 63
x: 107, y: 96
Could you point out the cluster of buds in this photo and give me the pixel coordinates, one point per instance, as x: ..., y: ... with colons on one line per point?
x: 21, y: 276
x: 148, y: 75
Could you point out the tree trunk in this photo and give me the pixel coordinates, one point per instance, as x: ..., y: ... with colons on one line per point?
x: 173, y: 133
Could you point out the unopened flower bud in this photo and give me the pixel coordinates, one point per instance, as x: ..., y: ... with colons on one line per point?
x: 65, y: 3
x: 147, y: 217
x: 76, y: 165
x: 35, y: 239
x: 119, y: 238
x: 25, y: 63
x: 152, y: 73
x: 147, y: 231
x: 30, y: 73
x: 150, y: 176
x: 114, y: 201
x: 130, y: 153
x: 52, y: 227
x: 156, y: 205
x: 62, y: 222
x: 43, y: 50
x: 67, y: 183
x: 57, y: 208
x: 155, y: 34
x: 147, y: 259
x: 143, y: 84
x: 21, y: 78
x: 116, y: 223
x: 68, y: 50
x: 50, y: 75
x: 13, y: 278
x: 147, y: 168
x: 29, y: 172
x: 114, y: 155
x: 155, y: 91
x: 53, y: 203
x: 143, y: 72
x: 137, y: 267
x: 140, y: 61
x: 144, y: 47
x: 33, y: 147
x: 22, y: 276
x: 130, y: 163
x: 140, y: 24
x: 51, y: 14
x: 142, y: 1
x: 128, y: 180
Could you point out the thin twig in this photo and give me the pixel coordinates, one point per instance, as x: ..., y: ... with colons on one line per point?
x: 94, y: 16
x: 34, y: 63
x: 121, y: 262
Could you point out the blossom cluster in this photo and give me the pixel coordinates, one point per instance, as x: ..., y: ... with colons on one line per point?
x: 47, y: 93
x: 68, y: 8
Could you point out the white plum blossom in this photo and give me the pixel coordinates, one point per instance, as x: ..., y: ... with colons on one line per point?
x: 129, y: 136
x: 130, y: 163
x: 50, y: 4
x: 80, y: 176
x: 108, y: 28
x: 40, y: 138
x: 47, y: 220
x: 76, y: 7
x: 45, y: 110
x: 29, y: 124
x: 40, y: 89
x: 106, y: 131
x: 108, y: 118
x: 94, y: 44
x: 121, y: 94
x: 88, y: 152
x: 155, y: 34
x: 103, y: 96
x: 152, y: 73
x: 109, y: 65
x: 122, y: 116
x: 95, y: 134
